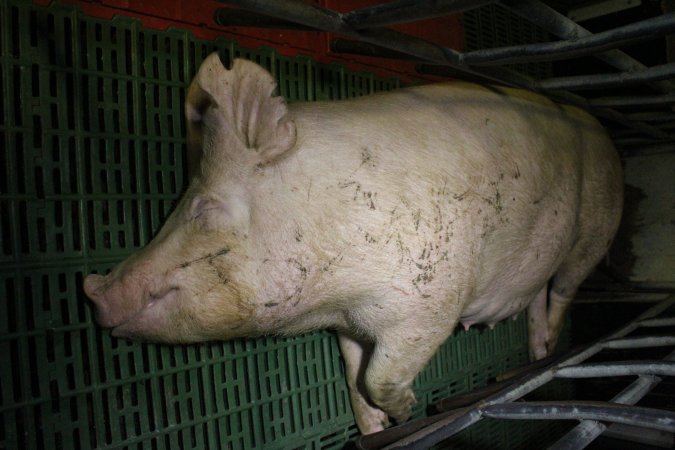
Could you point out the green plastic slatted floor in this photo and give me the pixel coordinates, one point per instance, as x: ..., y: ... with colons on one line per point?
x: 92, y: 159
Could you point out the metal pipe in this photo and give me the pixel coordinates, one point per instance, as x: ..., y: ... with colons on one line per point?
x: 403, y: 11
x: 640, y: 342
x: 584, y: 433
x: 447, y: 427
x: 660, y: 322
x: 616, y: 369
x: 380, y: 439
x: 559, y: 25
x: 609, y: 80
x: 438, y: 431
x: 551, y: 51
x: 656, y: 419
x: 615, y: 102
x: 320, y: 18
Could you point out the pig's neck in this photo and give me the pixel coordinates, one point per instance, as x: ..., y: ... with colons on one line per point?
x: 292, y: 260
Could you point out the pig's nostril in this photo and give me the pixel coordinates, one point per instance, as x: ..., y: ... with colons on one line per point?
x: 92, y: 284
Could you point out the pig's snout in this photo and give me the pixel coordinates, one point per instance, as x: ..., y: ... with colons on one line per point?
x: 121, y: 300
x: 92, y: 285
x: 95, y: 288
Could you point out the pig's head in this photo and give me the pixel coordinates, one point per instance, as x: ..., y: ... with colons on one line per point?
x: 195, y: 281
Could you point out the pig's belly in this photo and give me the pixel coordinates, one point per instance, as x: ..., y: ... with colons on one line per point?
x: 493, y: 307
x: 506, y: 293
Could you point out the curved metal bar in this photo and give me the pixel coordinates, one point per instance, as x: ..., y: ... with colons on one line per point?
x: 661, y: 321
x: 640, y: 342
x: 551, y: 20
x: 631, y: 415
x: 551, y: 51
x: 615, y: 369
x: 651, y: 100
x: 608, y: 80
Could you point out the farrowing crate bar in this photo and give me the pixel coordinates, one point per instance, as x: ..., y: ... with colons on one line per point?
x: 367, y: 26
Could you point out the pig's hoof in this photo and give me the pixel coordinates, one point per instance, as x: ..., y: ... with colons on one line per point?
x: 538, y: 352
x: 400, y: 409
x: 372, y: 421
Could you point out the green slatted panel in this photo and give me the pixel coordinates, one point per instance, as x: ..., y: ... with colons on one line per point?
x: 92, y: 161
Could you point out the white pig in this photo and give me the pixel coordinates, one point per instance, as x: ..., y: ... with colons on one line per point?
x: 389, y: 218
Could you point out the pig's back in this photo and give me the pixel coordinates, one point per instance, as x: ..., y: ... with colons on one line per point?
x: 440, y: 188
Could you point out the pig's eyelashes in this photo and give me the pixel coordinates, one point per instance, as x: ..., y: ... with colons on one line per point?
x: 161, y: 294
x: 207, y: 211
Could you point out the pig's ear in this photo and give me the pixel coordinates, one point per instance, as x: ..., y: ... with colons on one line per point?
x: 197, y: 101
x: 244, y: 98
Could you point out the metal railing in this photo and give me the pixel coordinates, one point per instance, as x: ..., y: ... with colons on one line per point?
x: 503, y: 399
x: 367, y: 33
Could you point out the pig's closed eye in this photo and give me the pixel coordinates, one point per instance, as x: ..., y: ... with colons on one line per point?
x: 208, y: 212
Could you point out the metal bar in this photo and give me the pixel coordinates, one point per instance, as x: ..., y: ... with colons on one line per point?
x: 640, y: 342
x: 559, y: 25
x: 439, y: 431
x: 584, y: 433
x: 229, y: 17
x: 652, y: 100
x: 602, y: 81
x: 616, y: 369
x: 320, y: 18
x: 378, y: 440
x: 660, y: 322
x: 403, y: 11
x: 447, y: 427
x: 632, y: 415
x: 551, y: 51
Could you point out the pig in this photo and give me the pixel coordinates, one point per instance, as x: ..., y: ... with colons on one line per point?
x: 389, y: 219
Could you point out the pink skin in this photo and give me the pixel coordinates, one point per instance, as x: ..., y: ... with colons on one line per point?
x: 124, y: 298
x: 226, y: 264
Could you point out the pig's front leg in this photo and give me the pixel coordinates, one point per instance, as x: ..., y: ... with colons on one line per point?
x: 356, y: 355
x: 398, y: 356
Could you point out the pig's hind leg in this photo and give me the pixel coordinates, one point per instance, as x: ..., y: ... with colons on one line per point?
x: 582, y: 259
x: 537, y: 325
x: 356, y: 355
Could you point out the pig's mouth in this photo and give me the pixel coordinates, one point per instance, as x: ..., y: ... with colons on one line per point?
x: 146, y: 316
